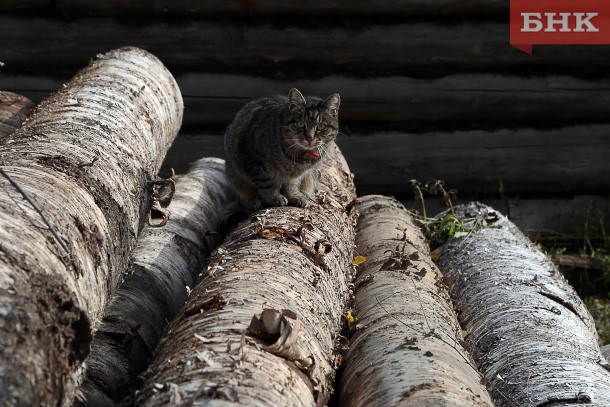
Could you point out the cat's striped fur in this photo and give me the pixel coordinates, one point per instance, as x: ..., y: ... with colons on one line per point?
x: 275, y: 145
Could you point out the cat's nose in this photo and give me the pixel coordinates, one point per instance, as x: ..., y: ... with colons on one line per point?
x: 309, y: 136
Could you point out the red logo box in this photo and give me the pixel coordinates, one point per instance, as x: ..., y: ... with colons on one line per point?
x: 559, y: 22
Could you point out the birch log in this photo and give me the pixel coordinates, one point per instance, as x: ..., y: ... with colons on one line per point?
x: 406, y: 345
x: 165, y: 264
x: 531, y: 336
x: 13, y: 111
x: 76, y: 178
x: 259, y: 328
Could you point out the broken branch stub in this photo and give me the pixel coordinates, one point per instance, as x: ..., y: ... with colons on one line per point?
x: 164, y: 266
x: 76, y: 178
x: 259, y: 328
x: 531, y: 336
x: 405, y: 343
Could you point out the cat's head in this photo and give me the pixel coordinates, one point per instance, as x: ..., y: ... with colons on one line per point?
x: 312, y: 122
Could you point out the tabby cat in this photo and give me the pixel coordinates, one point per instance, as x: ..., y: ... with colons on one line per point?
x: 275, y: 145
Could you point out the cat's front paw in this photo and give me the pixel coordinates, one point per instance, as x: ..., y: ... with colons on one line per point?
x: 276, y: 200
x: 300, y: 200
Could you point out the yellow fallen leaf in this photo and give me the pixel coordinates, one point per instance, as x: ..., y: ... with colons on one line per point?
x: 350, y: 317
x: 358, y: 260
x: 435, y: 255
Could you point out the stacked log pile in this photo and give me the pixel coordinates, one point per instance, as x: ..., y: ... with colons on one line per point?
x: 429, y: 90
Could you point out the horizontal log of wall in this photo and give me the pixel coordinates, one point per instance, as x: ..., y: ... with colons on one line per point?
x: 315, y: 46
x: 215, y: 98
x: 524, y: 161
x: 272, y: 7
x: 570, y: 160
x: 25, y: 5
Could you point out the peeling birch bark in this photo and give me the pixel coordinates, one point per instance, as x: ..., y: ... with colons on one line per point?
x: 405, y: 347
x: 13, y: 111
x: 532, y: 338
x: 76, y: 178
x: 165, y: 264
x: 259, y: 328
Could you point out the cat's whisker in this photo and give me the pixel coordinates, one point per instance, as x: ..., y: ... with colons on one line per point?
x: 284, y: 146
x: 292, y: 155
x: 321, y: 148
x: 291, y: 152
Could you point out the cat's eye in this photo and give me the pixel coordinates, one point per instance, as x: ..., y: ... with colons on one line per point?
x: 321, y: 126
x: 301, y: 123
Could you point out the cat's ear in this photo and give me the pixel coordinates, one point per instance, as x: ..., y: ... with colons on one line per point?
x: 332, y: 103
x: 295, y: 99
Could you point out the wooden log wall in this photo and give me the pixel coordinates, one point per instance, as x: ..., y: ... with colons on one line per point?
x: 429, y: 89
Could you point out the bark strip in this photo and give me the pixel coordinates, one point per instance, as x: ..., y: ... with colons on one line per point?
x: 76, y: 178
x: 531, y: 336
x: 259, y: 328
x: 405, y: 346
x: 165, y: 264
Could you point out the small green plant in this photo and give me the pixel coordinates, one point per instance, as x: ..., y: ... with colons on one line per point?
x: 437, y: 229
x: 433, y: 187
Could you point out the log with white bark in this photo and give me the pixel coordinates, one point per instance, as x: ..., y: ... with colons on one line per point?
x: 165, y: 265
x: 76, y: 180
x: 13, y: 111
x: 531, y: 336
x: 259, y: 328
x: 405, y: 348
